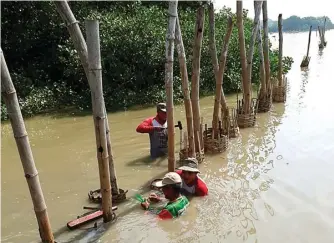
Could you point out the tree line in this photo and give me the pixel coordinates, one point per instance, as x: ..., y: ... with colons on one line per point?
x: 295, y: 23
x: 48, y: 75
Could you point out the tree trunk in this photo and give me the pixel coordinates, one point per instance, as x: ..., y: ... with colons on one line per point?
x: 245, y: 83
x: 79, y: 42
x: 23, y: 145
x: 263, y: 90
x: 196, y: 62
x: 266, y: 45
x: 95, y: 79
x: 280, y: 51
x: 185, y: 88
x: 172, y: 12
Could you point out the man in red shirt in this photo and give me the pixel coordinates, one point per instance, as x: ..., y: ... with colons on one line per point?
x: 156, y: 127
x: 192, y: 184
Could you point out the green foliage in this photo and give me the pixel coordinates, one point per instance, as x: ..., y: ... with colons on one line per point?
x: 47, y: 72
x: 295, y: 23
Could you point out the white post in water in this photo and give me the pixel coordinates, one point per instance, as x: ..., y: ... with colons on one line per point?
x: 95, y: 81
x: 23, y: 145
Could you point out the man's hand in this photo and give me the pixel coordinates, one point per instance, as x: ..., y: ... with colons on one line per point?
x: 145, y: 205
x: 154, y: 198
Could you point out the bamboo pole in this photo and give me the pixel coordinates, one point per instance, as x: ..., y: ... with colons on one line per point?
x: 23, y: 145
x: 172, y: 12
x: 242, y: 47
x: 218, y: 69
x: 248, y: 91
x: 222, y: 60
x: 263, y: 89
x: 309, y: 41
x: 185, y: 88
x: 213, y: 52
x: 196, y: 61
x: 79, y: 42
x: 266, y: 44
x: 95, y: 78
x: 280, y: 51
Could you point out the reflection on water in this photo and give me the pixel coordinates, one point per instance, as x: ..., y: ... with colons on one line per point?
x: 272, y: 185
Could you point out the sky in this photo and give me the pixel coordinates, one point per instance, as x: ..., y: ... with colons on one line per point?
x: 301, y: 8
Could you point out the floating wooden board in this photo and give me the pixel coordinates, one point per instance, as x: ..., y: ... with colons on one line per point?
x: 86, y: 218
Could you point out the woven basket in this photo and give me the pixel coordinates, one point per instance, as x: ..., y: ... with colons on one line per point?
x: 249, y: 119
x: 279, y: 92
x: 264, y: 103
x: 95, y: 196
x: 218, y: 144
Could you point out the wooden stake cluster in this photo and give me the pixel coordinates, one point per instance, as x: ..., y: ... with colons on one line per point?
x: 216, y: 138
x: 247, y: 108
x: 79, y: 42
x: 279, y: 90
x: 189, y: 146
x: 306, y: 59
x: 199, y: 28
x: 8, y: 93
x: 172, y: 11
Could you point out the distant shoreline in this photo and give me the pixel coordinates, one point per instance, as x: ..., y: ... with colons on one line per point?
x: 296, y: 31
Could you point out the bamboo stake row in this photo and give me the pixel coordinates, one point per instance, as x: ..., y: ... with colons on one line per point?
x: 190, y: 151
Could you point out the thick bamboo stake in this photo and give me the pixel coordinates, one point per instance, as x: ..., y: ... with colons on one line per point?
x: 320, y: 35
x: 196, y: 61
x: 280, y: 51
x: 256, y: 24
x: 213, y: 52
x: 172, y: 12
x: 79, y: 42
x: 185, y: 88
x: 242, y: 47
x: 219, y: 69
x: 266, y: 44
x: 95, y: 78
x: 23, y: 145
x: 263, y: 90
x: 222, y: 60
x: 309, y: 41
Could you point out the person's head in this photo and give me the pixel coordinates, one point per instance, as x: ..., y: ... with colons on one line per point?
x: 171, y: 185
x: 189, y: 170
x: 162, y: 111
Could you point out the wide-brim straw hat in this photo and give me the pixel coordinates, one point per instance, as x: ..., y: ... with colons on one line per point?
x: 191, y: 165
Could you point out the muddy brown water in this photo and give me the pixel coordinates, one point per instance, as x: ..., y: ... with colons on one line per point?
x: 274, y: 184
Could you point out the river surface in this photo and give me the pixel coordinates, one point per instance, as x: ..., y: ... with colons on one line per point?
x: 273, y: 185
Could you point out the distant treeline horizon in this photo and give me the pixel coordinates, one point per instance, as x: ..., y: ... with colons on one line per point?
x: 295, y: 23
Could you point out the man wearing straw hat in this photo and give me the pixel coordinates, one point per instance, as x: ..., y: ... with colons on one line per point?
x: 171, y: 186
x: 192, y: 184
x: 156, y: 127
